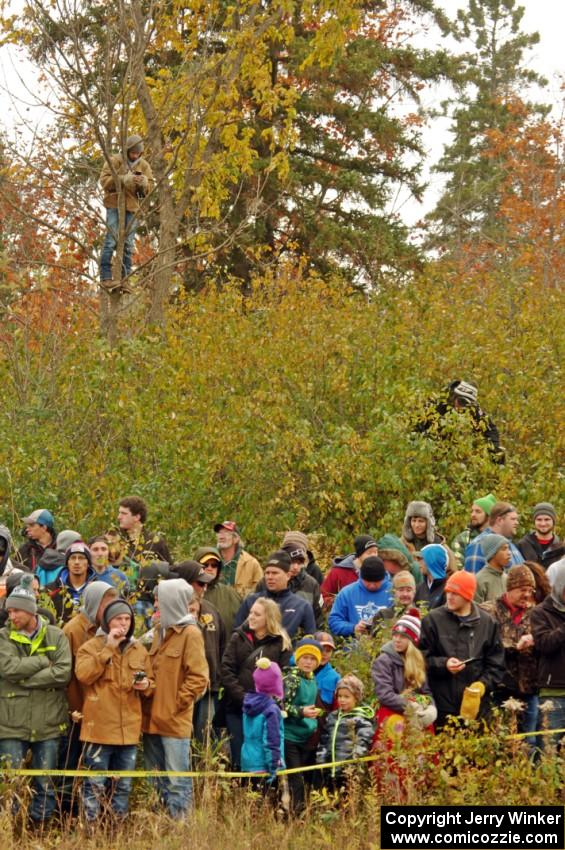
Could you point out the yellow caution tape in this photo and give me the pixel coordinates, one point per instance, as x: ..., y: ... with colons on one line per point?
x: 220, y: 774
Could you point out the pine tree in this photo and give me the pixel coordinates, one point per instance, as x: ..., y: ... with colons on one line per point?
x: 492, y: 77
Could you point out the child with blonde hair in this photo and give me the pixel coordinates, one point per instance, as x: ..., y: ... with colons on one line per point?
x: 399, y: 674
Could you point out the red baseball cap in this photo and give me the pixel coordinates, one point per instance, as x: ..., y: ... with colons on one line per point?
x: 228, y: 524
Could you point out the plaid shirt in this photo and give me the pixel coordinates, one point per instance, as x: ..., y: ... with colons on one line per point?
x: 475, y: 560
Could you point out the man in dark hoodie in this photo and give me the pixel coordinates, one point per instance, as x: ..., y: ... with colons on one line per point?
x: 40, y: 534
x: 223, y: 597
x: 542, y: 545
x: 548, y: 630
x: 181, y: 677
x: 66, y: 592
x: 345, y: 570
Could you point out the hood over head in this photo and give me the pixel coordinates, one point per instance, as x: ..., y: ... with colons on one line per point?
x: 92, y: 597
x: 5, y: 546
x: 558, y: 583
x: 254, y: 704
x: 436, y: 559
x: 174, y: 595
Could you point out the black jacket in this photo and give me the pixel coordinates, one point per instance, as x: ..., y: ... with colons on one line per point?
x: 433, y: 596
x: 238, y: 663
x: 532, y: 550
x: 445, y: 635
x: 548, y: 629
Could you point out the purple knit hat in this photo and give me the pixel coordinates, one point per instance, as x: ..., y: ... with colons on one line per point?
x: 268, y: 678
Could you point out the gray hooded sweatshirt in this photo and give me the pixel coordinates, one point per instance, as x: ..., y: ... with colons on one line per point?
x: 92, y: 597
x: 174, y: 596
x: 6, y: 566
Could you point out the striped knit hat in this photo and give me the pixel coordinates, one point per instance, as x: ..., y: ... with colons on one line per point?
x: 409, y: 625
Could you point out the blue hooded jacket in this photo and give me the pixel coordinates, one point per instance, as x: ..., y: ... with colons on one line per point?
x: 263, y: 735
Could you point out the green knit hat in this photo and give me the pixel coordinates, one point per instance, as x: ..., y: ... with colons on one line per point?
x: 486, y: 503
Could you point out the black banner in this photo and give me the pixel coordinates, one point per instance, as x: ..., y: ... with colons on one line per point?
x: 472, y: 827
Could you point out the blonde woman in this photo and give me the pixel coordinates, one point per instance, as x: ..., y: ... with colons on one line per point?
x: 260, y: 636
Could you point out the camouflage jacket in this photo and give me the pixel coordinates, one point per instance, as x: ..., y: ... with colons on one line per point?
x: 521, y: 667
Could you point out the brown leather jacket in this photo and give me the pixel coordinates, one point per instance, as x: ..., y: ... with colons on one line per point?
x: 78, y: 630
x: 111, y: 708
x: 181, y: 677
x: 133, y: 193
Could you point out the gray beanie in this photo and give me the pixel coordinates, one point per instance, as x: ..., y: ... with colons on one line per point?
x: 22, y: 597
x: 545, y: 508
x: 491, y: 543
x: 294, y: 540
x: 65, y: 538
x: 422, y: 509
x: 134, y: 142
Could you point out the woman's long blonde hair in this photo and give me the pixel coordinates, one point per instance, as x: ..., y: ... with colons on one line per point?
x: 414, y: 667
x: 273, y: 620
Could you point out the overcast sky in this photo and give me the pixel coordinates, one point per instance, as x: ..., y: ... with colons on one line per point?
x: 545, y: 16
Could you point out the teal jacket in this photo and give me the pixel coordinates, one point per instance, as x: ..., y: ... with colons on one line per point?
x: 33, y: 676
x: 300, y: 689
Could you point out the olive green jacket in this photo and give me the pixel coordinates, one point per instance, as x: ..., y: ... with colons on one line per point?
x: 33, y: 676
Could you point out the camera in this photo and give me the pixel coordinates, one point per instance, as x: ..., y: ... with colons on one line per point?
x: 138, y: 676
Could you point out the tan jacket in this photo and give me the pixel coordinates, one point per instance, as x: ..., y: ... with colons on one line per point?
x: 111, y: 708
x: 78, y: 630
x: 126, y: 175
x: 181, y: 677
x: 247, y: 573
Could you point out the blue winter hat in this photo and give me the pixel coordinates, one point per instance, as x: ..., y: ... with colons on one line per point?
x: 436, y: 559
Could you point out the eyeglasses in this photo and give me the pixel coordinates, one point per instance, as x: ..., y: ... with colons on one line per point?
x: 214, y: 564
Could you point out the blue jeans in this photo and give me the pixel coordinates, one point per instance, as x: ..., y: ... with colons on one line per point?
x: 111, y: 241
x: 164, y: 753
x: 43, y: 757
x: 107, y: 757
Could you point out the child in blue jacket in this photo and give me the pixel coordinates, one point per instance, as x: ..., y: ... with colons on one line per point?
x: 263, y: 730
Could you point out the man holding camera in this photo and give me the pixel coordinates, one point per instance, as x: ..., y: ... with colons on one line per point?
x: 126, y: 180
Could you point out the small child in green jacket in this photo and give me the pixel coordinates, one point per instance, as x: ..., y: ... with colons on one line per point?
x: 300, y: 692
x: 349, y: 731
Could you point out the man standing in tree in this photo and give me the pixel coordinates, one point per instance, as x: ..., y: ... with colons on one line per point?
x: 129, y: 178
x: 461, y: 397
